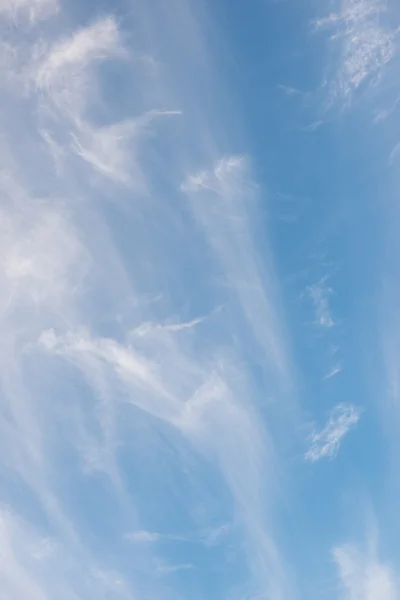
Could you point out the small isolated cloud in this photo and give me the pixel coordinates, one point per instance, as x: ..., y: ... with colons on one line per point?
x: 334, y: 371
x: 362, y: 575
x: 146, y: 537
x: 326, y: 443
x: 149, y: 328
x: 320, y: 293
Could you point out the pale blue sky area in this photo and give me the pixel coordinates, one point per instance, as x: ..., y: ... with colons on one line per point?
x: 199, y: 292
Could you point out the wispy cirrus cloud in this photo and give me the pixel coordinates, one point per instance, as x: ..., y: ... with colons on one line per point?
x: 326, y: 442
x: 122, y: 232
x: 105, y: 356
x: 64, y: 73
x: 222, y: 201
x: 365, y: 42
x: 112, y: 150
x: 63, y: 70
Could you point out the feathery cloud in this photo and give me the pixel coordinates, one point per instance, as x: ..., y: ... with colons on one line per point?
x: 63, y: 70
x: 223, y: 203
x: 110, y: 150
x: 365, y: 44
x: 362, y: 575
x: 117, y: 380
x: 326, y: 443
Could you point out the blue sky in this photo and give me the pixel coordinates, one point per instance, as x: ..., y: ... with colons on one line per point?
x: 199, y: 291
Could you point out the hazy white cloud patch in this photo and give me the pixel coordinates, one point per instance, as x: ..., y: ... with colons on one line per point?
x: 41, y: 256
x: 326, y: 442
x: 362, y: 576
x: 33, y: 566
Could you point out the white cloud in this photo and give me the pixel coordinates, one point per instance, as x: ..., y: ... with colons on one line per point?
x: 132, y: 367
x: 65, y: 278
x: 365, y: 44
x: 34, y: 567
x: 144, y: 536
x: 149, y: 328
x: 326, y: 443
x: 41, y: 255
x: 215, y: 418
x: 63, y: 71
x: 64, y: 76
x: 362, y: 576
x: 224, y: 205
x: 334, y: 371
x: 112, y: 150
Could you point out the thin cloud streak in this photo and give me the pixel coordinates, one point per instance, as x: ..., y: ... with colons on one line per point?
x: 222, y: 202
x: 334, y: 371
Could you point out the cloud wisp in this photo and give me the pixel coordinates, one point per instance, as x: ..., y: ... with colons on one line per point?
x: 319, y: 294
x: 222, y: 200
x: 365, y: 44
x: 326, y: 442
